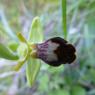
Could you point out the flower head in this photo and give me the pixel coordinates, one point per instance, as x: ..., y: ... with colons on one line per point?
x: 55, y: 51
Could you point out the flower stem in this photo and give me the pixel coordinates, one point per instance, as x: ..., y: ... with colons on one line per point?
x: 64, y: 18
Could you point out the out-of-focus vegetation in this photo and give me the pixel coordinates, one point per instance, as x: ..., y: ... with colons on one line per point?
x: 75, y: 79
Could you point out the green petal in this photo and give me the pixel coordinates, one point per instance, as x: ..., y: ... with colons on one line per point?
x: 33, y: 65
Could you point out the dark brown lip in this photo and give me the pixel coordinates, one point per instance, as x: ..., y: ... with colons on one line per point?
x: 65, y: 52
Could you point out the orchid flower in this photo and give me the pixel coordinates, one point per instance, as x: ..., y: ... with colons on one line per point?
x: 54, y: 51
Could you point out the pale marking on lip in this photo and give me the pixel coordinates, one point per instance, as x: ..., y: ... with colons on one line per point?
x: 51, y: 56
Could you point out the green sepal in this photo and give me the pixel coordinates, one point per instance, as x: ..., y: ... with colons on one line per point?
x: 33, y: 65
x: 6, y: 53
x: 13, y: 45
x: 32, y: 70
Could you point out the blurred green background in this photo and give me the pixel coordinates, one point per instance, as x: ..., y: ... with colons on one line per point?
x: 74, y: 79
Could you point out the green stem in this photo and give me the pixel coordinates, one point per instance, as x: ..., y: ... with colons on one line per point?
x: 64, y: 18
